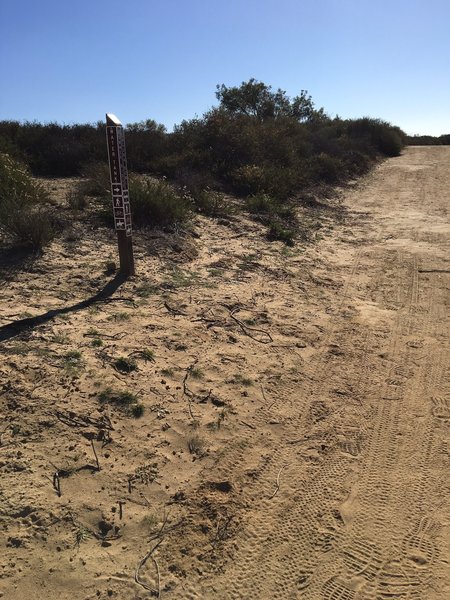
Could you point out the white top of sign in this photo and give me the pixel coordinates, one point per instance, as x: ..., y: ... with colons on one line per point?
x: 113, y: 118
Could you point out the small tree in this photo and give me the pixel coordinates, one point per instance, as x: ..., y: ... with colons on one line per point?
x: 256, y: 99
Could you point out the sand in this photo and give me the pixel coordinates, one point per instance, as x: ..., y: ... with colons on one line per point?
x: 296, y: 430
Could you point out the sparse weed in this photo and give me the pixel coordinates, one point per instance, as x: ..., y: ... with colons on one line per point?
x: 150, y: 521
x: 16, y: 429
x: 196, y: 373
x: 167, y: 372
x: 122, y: 399
x: 125, y: 400
x: 92, y: 331
x: 73, y: 362
x: 19, y: 349
x: 146, y: 289
x: 217, y: 424
x: 76, y: 197
x: 94, y: 309
x: 145, y: 474
x: 241, y: 380
x: 196, y: 445
x: 248, y: 262
x: 60, y: 338
x: 148, y: 354
x: 82, y: 535
x: 181, y: 278
x: 215, y: 272
x: 25, y: 315
x: 121, y: 316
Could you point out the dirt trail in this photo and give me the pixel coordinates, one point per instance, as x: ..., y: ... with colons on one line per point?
x: 361, y: 456
x: 296, y: 435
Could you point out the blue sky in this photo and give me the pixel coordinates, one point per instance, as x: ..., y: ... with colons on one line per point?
x: 72, y: 61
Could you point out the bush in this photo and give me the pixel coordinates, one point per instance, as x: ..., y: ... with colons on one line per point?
x: 328, y: 169
x: 390, y: 142
x: 155, y: 203
x: 37, y: 227
x: 260, y: 204
x: 247, y: 179
x: 23, y: 213
x: 356, y: 162
x: 210, y: 203
x: 257, y: 141
x: 16, y: 185
x: 280, y: 217
x: 97, y: 179
x: 96, y: 183
x: 375, y: 135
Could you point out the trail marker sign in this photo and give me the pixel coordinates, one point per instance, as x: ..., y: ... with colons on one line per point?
x: 115, y: 139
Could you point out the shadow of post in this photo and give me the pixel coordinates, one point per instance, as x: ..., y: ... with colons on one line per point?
x: 15, y: 328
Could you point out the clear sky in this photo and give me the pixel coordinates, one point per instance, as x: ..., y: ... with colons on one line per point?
x: 73, y: 60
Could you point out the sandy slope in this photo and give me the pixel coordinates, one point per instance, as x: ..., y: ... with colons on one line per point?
x: 311, y: 386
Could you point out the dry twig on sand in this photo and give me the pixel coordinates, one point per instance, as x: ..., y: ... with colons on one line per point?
x: 247, y: 330
x: 174, y: 311
x: 264, y: 336
x: 186, y: 391
x: 278, y: 483
x: 158, y: 534
x: 139, y: 567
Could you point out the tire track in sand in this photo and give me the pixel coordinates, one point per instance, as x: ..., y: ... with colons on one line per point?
x: 363, y: 519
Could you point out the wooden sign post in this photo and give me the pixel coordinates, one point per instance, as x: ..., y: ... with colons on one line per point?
x: 115, y: 139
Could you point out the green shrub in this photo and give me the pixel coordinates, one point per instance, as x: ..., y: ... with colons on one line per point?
x: 210, y: 203
x: 278, y: 231
x: 328, y: 169
x: 24, y: 215
x: 96, y: 179
x: 95, y: 183
x: 264, y: 205
x: 357, y: 163
x: 37, y: 227
x: 390, y: 142
x: 375, y: 135
x: 257, y: 141
x: 155, y: 203
x: 260, y: 203
x: 248, y: 179
x: 17, y: 188
x: 275, y: 180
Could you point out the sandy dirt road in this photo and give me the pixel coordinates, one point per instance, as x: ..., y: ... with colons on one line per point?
x: 296, y: 435
x: 361, y: 451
